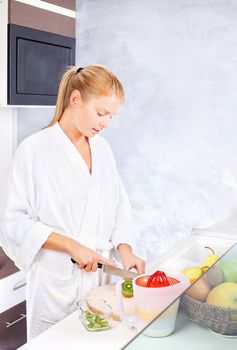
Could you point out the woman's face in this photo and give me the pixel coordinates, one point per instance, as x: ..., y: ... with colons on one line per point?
x: 93, y: 115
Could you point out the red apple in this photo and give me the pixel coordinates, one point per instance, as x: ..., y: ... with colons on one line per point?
x: 199, y: 289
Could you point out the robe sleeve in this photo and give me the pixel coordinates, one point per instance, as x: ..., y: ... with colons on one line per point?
x: 122, y: 232
x: 21, y: 233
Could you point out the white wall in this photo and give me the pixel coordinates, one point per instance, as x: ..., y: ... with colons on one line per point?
x: 175, y: 136
x: 7, y: 130
x: 30, y: 120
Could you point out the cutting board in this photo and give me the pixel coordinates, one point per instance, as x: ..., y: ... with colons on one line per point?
x: 108, y: 293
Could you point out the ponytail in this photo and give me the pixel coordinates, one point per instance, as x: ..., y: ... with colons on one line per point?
x: 63, y: 87
x: 91, y: 81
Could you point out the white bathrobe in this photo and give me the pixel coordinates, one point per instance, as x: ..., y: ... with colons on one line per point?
x: 51, y: 189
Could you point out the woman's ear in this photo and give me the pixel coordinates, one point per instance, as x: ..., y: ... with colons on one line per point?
x: 75, y: 98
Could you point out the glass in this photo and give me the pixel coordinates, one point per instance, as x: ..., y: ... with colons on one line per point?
x: 95, y: 320
x: 209, y: 323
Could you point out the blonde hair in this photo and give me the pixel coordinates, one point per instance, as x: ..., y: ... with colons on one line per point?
x: 92, y: 81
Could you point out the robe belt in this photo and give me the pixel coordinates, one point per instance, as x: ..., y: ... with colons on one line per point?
x: 104, y: 248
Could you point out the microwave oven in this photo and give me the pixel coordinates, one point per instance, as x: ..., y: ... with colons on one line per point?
x: 36, y: 61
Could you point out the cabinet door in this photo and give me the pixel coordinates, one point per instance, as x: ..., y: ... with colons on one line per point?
x: 13, y: 327
x: 12, y: 283
x: 7, y: 266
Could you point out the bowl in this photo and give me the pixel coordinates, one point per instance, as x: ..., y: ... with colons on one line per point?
x: 95, y: 319
x: 220, y: 320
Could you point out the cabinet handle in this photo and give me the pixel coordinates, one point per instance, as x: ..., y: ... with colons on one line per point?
x: 19, y: 285
x: 9, y: 324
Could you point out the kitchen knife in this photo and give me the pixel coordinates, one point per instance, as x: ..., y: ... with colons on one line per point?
x: 115, y: 271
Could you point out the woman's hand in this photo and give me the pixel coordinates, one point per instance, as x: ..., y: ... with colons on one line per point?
x: 87, y: 258
x: 129, y: 260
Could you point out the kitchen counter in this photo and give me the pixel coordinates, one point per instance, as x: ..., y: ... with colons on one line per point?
x: 187, y: 335
x: 70, y: 334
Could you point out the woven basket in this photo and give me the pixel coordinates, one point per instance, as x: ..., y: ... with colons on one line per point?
x: 218, y: 319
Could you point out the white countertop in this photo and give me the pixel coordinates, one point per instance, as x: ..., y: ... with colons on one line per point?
x: 70, y: 334
x: 187, y: 335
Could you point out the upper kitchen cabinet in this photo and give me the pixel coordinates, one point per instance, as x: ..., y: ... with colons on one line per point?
x: 38, y: 44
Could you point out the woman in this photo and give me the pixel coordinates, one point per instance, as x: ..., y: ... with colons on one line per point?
x: 65, y: 200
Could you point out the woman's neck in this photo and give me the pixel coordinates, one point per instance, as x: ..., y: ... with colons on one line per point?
x: 76, y: 137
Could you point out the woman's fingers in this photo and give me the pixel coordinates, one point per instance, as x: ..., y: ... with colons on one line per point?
x: 138, y: 264
x: 88, y: 267
x: 94, y: 266
x: 81, y: 266
x: 89, y: 260
x: 141, y: 266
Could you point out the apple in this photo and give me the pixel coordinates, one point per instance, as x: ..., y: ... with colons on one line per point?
x: 229, y: 269
x: 214, y: 276
x: 223, y: 295
x: 199, y: 290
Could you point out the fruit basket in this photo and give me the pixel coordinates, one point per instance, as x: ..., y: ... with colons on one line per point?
x: 218, y: 319
x: 211, y: 300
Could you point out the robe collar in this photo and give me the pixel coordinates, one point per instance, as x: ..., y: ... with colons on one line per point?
x: 76, y: 152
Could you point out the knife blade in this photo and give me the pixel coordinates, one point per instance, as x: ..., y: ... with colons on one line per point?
x: 115, y: 271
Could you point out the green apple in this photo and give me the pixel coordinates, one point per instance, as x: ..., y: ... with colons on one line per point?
x: 229, y: 269
x: 223, y: 295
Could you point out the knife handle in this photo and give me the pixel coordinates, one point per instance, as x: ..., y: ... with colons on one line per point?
x: 99, y: 265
